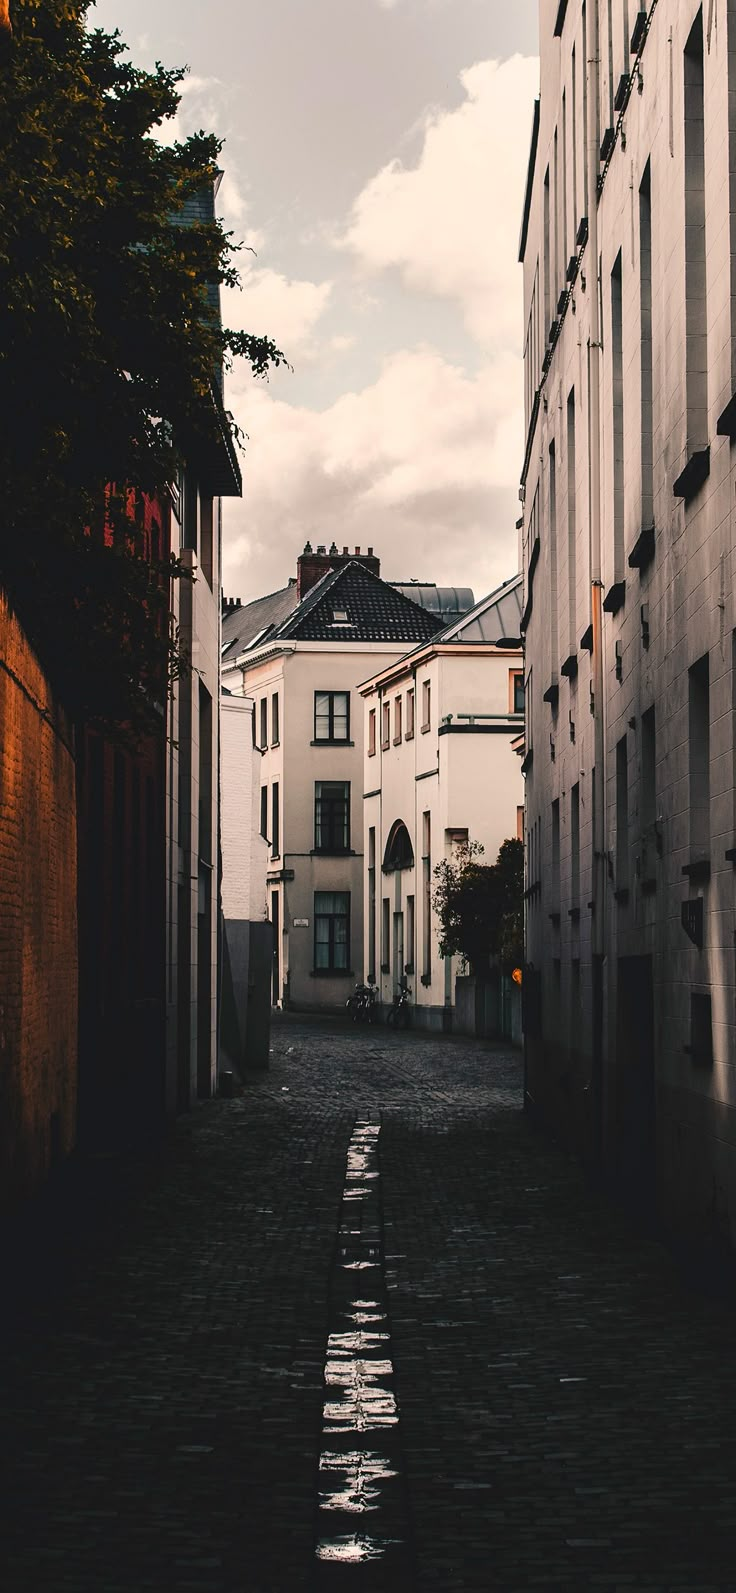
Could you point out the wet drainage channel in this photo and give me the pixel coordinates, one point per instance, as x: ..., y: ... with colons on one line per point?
x: 361, y: 1516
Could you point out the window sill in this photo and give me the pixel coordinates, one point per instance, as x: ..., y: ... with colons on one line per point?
x: 371, y: 752
x: 332, y: 851
x: 425, y: 728
x: 385, y: 746
x: 398, y: 741
x: 332, y: 973
x: 385, y: 968
x: 325, y: 743
x: 274, y: 745
x: 409, y: 735
x: 426, y: 980
x: 692, y: 477
x: 574, y: 914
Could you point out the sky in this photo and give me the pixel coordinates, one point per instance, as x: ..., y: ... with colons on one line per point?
x: 375, y: 159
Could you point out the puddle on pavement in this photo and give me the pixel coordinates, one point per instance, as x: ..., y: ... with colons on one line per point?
x: 359, y: 1475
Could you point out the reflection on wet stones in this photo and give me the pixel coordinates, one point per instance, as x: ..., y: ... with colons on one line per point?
x: 359, y: 1474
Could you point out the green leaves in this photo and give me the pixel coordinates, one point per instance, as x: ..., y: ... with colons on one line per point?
x: 110, y: 337
x: 480, y: 906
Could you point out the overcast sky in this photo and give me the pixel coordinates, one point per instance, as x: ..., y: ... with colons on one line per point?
x: 375, y: 159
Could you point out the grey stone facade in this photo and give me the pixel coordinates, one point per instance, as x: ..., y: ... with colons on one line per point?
x: 628, y: 486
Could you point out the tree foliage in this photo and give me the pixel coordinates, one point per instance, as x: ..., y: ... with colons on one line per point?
x: 109, y: 342
x: 480, y: 905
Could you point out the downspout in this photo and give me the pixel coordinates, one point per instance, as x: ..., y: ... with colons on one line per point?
x: 595, y: 1087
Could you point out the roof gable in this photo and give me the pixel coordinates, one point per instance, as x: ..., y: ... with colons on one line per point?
x: 353, y: 605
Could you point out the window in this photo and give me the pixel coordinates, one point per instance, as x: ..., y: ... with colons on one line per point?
x: 397, y: 720
x: 331, y: 716
x: 410, y: 932
x: 331, y: 931
x: 410, y: 714
x: 646, y: 368
x: 555, y: 892
x: 575, y: 847
x: 263, y: 743
x: 264, y: 811
x: 385, y: 935
x: 372, y: 733
x: 648, y: 769
x: 519, y: 823
x: 701, y: 1030
x: 622, y: 818
x: 207, y: 538
x: 699, y: 738
x: 331, y: 816
x: 426, y: 705
x: 426, y: 898
x: 571, y: 523
x: 275, y: 720
x: 372, y: 904
x: 617, y: 395
x: 696, y: 314
x: 275, y: 827
x: 386, y: 726
x: 516, y: 691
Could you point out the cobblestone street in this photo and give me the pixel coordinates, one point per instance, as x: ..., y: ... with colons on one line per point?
x: 371, y: 1231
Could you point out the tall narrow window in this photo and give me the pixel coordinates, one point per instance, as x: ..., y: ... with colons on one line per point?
x: 426, y: 705
x: 699, y: 743
x: 617, y: 386
x: 648, y: 804
x: 610, y: 63
x: 556, y: 855
x: 372, y: 904
x: 571, y: 523
x: 386, y: 726
x: 585, y: 109
x: 397, y: 720
x: 696, y: 351
x: 564, y: 182
x: 426, y: 897
x: 275, y: 737
x: 556, y: 199
x: 372, y: 733
x: 331, y: 815
x: 410, y: 714
x: 275, y: 820
x: 547, y: 296
x: 574, y: 141
x: 264, y: 723
x: 207, y: 537
x: 331, y: 931
x: 264, y: 811
x: 622, y: 817
x: 553, y: 632
x: 332, y: 716
x: 645, y: 349
x: 410, y: 934
x: 575, y: 846
x: 386, y: 935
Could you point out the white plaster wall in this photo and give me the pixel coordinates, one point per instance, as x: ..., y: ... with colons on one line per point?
x: 244, y: 851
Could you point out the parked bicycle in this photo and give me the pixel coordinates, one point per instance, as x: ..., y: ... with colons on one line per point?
x: 399, y: 1014
x: 361, y: 1005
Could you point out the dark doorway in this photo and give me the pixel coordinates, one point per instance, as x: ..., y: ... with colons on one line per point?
x: 634, y: 1107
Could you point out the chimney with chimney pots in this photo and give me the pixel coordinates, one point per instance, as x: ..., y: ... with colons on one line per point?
x: 311, y: 565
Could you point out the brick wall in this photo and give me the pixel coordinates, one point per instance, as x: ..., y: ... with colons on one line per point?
x: 38, y: 922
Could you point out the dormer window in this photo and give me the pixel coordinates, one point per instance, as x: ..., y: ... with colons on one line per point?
x: 340, y: 616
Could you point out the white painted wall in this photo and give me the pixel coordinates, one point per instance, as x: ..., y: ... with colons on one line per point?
x: 244, y: 851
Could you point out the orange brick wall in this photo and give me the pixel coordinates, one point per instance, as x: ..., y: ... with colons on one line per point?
x: 38, y: 922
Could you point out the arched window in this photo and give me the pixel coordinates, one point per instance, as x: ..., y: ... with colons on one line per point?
x: 399, y: 851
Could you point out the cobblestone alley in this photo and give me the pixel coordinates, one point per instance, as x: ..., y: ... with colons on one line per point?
x: 361, y: 1328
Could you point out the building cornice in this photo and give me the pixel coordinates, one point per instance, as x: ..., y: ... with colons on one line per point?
x: 411, y: 662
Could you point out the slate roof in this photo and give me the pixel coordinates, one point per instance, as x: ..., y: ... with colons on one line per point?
x: 241, y: 625
x: 375, y: 611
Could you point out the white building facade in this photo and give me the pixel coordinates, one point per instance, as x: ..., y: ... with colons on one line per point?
x: 303, y: 677
x: 628, y: 486
x: 440, y: 768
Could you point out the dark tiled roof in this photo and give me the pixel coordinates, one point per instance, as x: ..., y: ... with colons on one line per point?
x: 375, y: 611
x: 240, y: 626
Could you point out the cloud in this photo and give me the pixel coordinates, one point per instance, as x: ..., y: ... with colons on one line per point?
x: 272, y: 305
x: 449, y: 225
x: 417, y: 464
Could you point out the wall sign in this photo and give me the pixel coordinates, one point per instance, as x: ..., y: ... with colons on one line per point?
x: 301, y: 923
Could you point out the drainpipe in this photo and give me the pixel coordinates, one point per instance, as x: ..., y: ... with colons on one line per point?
x: 595, y: 1088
